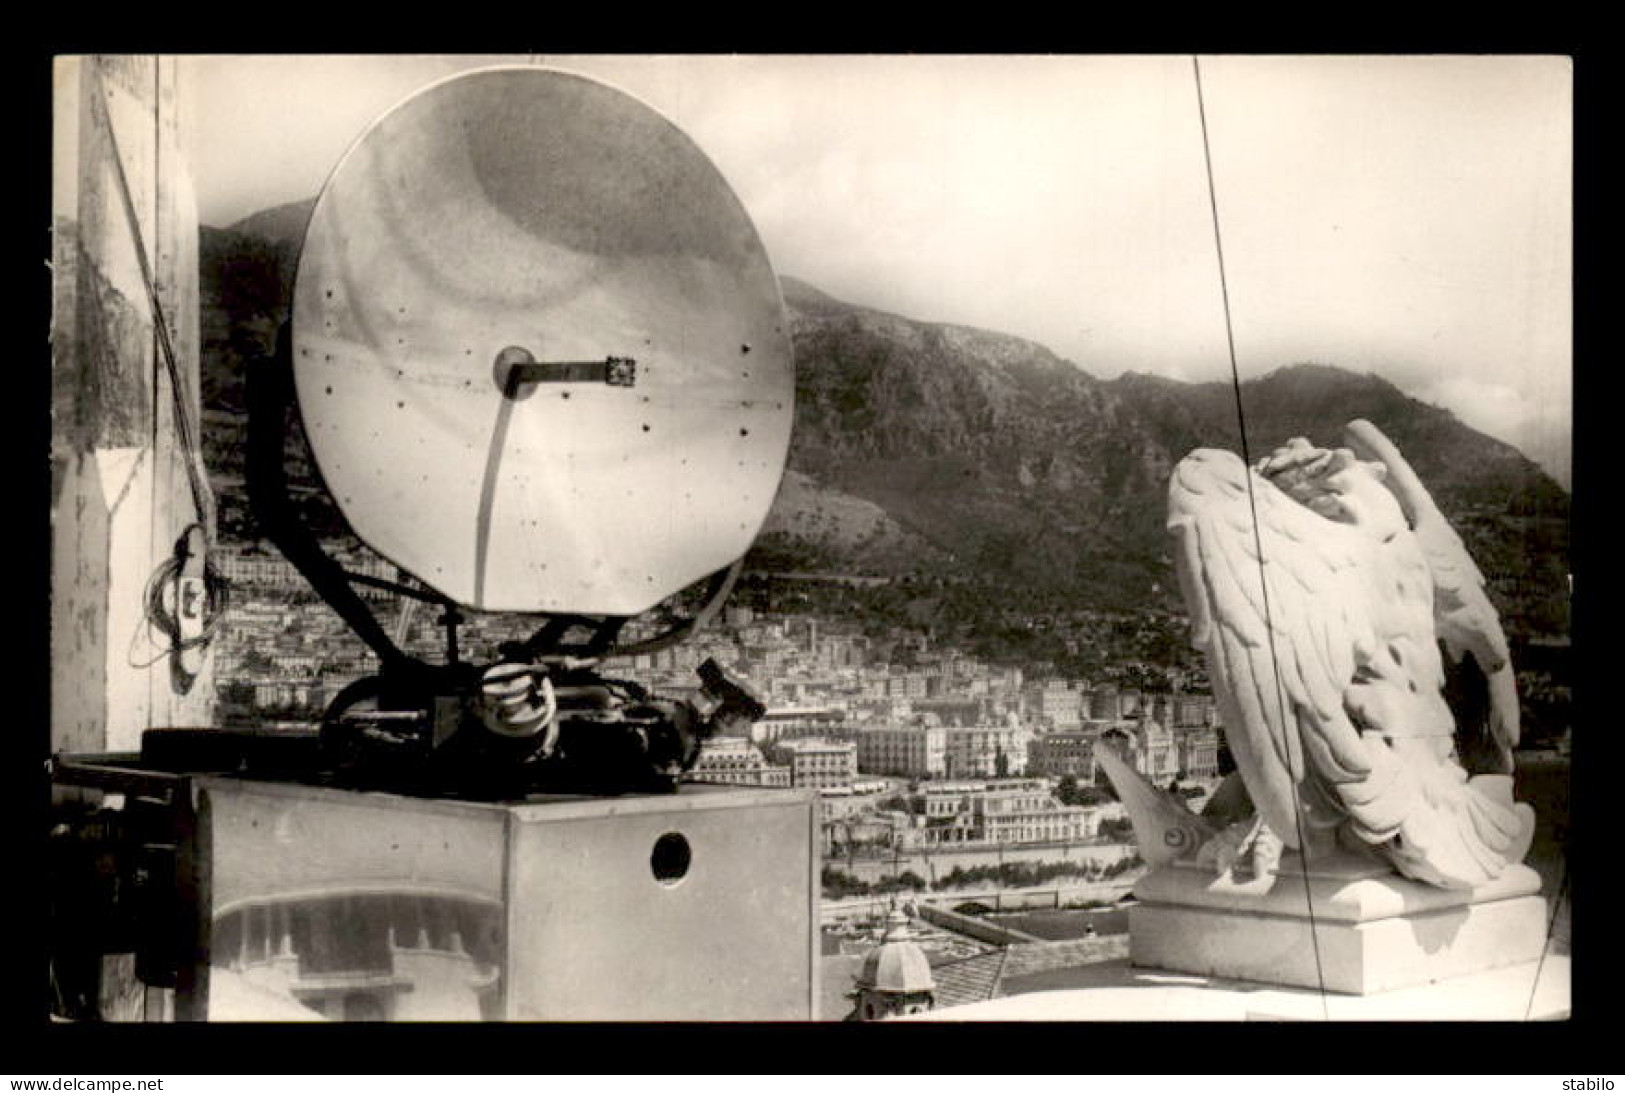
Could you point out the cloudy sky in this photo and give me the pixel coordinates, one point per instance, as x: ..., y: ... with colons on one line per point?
x: 1408, y: 216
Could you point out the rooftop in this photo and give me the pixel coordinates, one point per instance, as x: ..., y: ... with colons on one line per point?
x: 898, y: 964
x: 1115, y: 991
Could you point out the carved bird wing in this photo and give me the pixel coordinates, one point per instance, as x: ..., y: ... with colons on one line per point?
x: 1466, y: 620
x: 1321, y: 616
x: 1330, y: 697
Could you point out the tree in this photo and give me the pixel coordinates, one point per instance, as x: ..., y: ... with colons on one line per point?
x: 838, y: 885
x: 256, y: 662
x: 1069, y: 792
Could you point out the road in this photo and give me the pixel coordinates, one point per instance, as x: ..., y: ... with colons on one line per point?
x: 931, y: 864
x: 1046, y: 895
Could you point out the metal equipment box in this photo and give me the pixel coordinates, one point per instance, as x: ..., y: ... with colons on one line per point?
x: 700, y: 905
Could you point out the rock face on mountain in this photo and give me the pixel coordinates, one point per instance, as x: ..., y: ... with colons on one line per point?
x: 1017, y: 463
x: 966, y: 457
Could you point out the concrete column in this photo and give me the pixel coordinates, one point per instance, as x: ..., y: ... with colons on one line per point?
x: 123, y: 497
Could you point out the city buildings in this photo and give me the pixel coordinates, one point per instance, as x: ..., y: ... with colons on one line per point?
x: 818, y: 764
x: 1064, y: 753
x: 985, y: 751
x: 1165, y: 754
x: 997, y: 811
x: 843, y: 705
x: 841, y: 803
x: 796, y: 722
x: 1027, y: 812
x: 909, y: 751
x: 1199, y: 753
x: 1056, y: 703
x: 732, y: 761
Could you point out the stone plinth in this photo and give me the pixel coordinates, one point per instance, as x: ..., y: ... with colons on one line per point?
x: 700, y: 905
x: 1375, y: 931
x: 1116, y: 992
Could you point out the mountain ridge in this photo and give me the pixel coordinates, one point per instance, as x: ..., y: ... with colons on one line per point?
x: 949, y: 455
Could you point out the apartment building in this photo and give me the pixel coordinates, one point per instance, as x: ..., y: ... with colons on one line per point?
x: 985, y: 751
x: 732, y: 761
x: 911, y: 751
x: 1064, y: 752
x: 818, y: 764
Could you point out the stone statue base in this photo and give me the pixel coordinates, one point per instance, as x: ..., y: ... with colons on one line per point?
x: 1376, y: 931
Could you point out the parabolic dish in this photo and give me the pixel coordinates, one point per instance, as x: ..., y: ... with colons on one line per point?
x: 527, y: 209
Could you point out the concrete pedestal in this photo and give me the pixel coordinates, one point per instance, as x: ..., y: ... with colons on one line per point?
x: 1374, y: 931
x: 1116, y: 992
x: 700, y: 905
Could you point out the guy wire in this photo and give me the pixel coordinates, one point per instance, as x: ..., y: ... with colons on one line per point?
x: 186, y: 432
x: 1258, y: 542
x: 1551, y: 930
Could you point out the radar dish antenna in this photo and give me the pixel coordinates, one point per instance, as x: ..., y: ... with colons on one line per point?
x: 539, y: 351
x: 543, y: 365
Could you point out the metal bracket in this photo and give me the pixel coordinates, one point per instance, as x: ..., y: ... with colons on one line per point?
x: 516, y: 370
x: 614, y: 371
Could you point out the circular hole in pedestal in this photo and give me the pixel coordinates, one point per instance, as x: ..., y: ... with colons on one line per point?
x: 670, y: 859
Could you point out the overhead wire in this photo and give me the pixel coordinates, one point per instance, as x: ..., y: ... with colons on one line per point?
x: 186, y: 432
x: 1258, y: 543
x: 1551, y: 932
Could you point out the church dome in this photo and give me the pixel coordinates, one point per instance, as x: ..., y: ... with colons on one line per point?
x: 897, y: 965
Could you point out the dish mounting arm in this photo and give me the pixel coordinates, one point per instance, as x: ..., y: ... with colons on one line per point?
x: 270, y: 396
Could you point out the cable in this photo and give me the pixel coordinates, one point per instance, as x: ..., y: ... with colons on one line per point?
x: 1551, y: 929
x: 716, y: 591
x: 1258, y: 542
x: 197, y: 479
x: 162, y: 606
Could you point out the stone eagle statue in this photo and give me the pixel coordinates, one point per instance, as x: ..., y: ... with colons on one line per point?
x: 1326, y: 660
